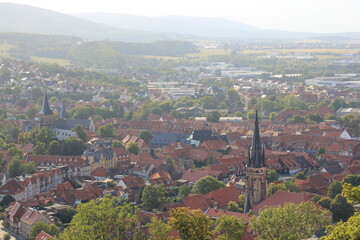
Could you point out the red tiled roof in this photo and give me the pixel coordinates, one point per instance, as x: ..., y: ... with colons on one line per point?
x: 224, y: 195
x: 43, y: 236
x: 215, y: 213
x: 280, y: 198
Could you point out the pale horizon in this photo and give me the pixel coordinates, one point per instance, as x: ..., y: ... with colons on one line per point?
x: 322, y: 16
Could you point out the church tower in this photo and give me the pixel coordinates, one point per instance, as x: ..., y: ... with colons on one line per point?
x: 255, y: 170
x: 46, y: 116
x: 62, y: 113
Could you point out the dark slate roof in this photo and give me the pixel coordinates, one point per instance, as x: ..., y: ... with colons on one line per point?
x: 166, y: 138
x: 69, y: 124
x: 106, y: 153
x: 45, y: 109
x: 203, y: 135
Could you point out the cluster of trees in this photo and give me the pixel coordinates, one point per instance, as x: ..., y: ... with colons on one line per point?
x: 44, y: 142
x: 110, y: 218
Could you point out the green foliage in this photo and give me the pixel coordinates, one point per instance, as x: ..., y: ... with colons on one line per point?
x: 54, y: 148
x: 234, y: 207
x: 42, y: 226
x: 153, y: 196
x: 146, y: 136
x: 325, y: 202
x: 341, y: 209
x: 351, y: 193
x: 229, y: 228
x: 40, y: 149
x: 15, y: 168
x: 206, y: 185
x: 133, y: 147
x: 107, y: 130
x: 6, y: 200
x: 334, y: 189
x: 80, y: 132
x: 117, y: 143
x: 353, y: 179
x: 73, y: 146
x: 15, y: 153
x: 350, y: 120
x: 272, y: 175
x: 213, y: 116
x: 159, y: 230
x: 337, y: 104
x: 349, y: 230
x: 103, y: 218
x: 291, y: 222
x: 300, y: 175
x: 319, y: 151
x: 184, y: 191
x: 67, y: 215
x: 191, y: 224
x: 316, y: 198
x: 286, y: 186
x: 7, y: 236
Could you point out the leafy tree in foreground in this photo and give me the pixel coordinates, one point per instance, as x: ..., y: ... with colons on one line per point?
x: 325, y: 202
x: 229, y: 228
x: 351, y: 193
x: 291, y: 222
x: 341, y: 209
x: 159, y: 230
x: 334, y: 189
x: 206, y: 184
x: 349, y: 230
x: 234, y: 207
x: 353, y: 179
x: 153, y: 196
x: 42, y: 226
x: 191, y: 224
x: 103, y: 219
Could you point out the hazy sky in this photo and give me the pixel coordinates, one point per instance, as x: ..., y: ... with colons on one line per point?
x: 292, y: 15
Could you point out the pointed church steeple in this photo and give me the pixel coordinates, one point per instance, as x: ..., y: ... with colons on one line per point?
x: 256, y: 153
x: 62, y: 113
x: 247, y: 205
x: 45, y: 109
x: 255, y: 170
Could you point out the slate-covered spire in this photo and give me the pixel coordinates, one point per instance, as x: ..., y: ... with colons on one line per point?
x: 45, y: 109
x: 62, y: 113
x: 257, y: 153
x: 247, y: 205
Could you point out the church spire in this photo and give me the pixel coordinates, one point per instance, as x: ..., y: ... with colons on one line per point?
x: 45, y: 109
x: 257, y: 153
x: 247, y: 205
x: 62, y: 113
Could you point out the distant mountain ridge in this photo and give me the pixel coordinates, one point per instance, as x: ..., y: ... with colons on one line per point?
x: 29, y: 19
x: 131, y: 28
x: 201, y: 26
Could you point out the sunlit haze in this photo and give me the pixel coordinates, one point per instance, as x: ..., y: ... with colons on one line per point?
x: 291, y: 15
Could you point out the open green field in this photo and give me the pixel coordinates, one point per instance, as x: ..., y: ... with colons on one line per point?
x: 205, y: 52
x: 305, y: 50
x: 61, y: 62
x: 160, y: 57
x: 4, y: 49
